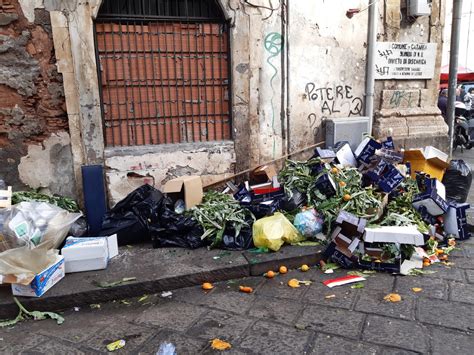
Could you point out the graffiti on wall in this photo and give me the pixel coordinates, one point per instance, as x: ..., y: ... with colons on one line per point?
x: 403, y: 98
x: 273, y: 45
x: 331, y: 100
x: 335, y: 99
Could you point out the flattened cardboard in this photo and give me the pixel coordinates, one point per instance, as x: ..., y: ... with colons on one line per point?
x: 394, y: 234
x: 188, y: 188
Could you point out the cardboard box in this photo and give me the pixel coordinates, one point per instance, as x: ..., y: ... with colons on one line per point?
x: 326, y: 155
x: 366, y: 150
x: 455, y: 221
x: 345, y: 156
x: 430, y: 161
x: 187, y: 188
x: 6, y: 198
x: 43, y: 281
x: 351, y: 225
x: 432, y: 198
x: 86, y: 254
x: 326, y: 185
x: 394, y: 234
x: 263, y: 174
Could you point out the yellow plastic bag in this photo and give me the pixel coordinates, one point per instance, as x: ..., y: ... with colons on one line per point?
x: 272, y: 232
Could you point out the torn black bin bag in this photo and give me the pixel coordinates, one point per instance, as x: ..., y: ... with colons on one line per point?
x: 131, y: 218
x: 243, y: 241
x: 176, y: 230
x: 457, y: 180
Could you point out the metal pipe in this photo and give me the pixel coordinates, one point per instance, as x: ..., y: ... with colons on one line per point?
x: 370, y: 70
x: 283, y: 70
x: 287, y: 51
x: 453, y: 69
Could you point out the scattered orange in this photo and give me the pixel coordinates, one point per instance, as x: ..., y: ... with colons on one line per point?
x: 270, y: 274
x: 347, y: 197
x: 304, y: 268
x: 283, y: 270
x: 426, y: 263
x: 342, y: 183
x: 245, y: 289
x: 207, y: 286
x: 334, y: 170
x: 218, y: 344
x: 294, y: 283
x: 417, y: 289
x: 451, y: 242
x: 393, y: 297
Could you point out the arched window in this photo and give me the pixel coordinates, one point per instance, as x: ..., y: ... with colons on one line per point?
x: 163, y: 71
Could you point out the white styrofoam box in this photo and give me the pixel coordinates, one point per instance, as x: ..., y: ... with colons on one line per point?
x: 431, y: 152
x: 350, y: 129
x: 394, y: 234
x: 86, y: 254
x: 43, y: 281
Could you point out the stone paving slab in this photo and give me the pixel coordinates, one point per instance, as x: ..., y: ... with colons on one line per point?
x: 156, y: 270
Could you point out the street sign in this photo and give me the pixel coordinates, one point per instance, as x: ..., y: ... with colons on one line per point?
x: 398, y: 60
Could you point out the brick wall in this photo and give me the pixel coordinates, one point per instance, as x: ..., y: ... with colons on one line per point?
x: 32, y: 102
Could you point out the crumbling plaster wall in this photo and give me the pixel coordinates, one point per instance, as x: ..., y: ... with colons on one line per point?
x: 32, y: 106
x: 327, y: 66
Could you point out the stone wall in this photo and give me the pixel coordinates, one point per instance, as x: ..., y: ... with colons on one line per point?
x: 32, y: 105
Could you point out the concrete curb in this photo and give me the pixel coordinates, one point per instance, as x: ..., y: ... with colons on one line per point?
x: 253, y: 265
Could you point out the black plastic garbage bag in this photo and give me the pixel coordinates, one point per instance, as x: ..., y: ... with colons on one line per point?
x: 243, y: 241
x: 457, y: 179
x: 131, y: 218
x: 176, y: 230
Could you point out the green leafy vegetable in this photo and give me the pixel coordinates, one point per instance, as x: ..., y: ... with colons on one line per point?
x: 114, y: 283
x: 358, y: 285
x: 24, y: 314
x: 217, y: 212
x: 65, y: 203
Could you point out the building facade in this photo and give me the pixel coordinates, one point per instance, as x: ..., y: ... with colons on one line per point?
x: 156, y: 89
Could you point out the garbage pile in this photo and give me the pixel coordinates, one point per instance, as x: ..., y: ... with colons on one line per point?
x: 373, y: 207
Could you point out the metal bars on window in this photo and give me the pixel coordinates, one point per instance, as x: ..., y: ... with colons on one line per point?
x: 163, y: 81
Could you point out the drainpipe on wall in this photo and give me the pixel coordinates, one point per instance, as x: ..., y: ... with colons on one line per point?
x: 453, y: 68
x: 287, y: 52
x: 370, y: 69
x: 283, y: 78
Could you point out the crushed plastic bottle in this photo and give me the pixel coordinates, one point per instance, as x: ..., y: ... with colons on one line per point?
x: 166, y: 349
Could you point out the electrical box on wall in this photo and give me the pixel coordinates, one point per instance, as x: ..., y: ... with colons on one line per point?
x: 419, y: 7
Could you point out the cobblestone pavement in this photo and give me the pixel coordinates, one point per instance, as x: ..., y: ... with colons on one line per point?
x: 276, y: 319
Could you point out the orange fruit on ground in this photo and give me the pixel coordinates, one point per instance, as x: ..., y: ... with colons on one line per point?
x: 347, y: 197
x: 294, y: 283
x: 207, y: 286
x: 245, y: 289
x: 304, y: 268
x: 283, y: 270
x: 270, y: 274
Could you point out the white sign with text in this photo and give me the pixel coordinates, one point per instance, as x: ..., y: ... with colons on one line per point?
x: 396, y: 60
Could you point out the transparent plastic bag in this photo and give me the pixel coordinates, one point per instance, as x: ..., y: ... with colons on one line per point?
x: 309, y: 223
x: 33, y: 223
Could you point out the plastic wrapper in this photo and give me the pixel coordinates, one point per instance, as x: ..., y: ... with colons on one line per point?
x: 457, y: 180
x: 309, y: 223
x: 272, y: 232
